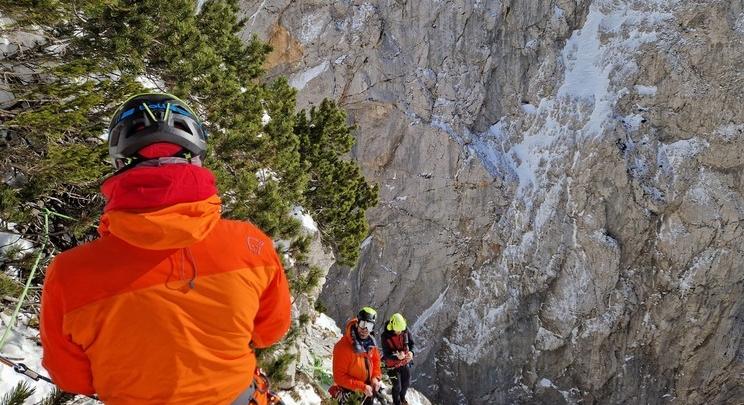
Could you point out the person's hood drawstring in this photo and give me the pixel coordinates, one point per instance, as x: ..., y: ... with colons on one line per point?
x: 195, y: 271
x: 192, y: 282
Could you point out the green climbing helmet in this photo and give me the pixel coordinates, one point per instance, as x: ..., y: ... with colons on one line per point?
x: 397, y: 323
x: 367, y: 314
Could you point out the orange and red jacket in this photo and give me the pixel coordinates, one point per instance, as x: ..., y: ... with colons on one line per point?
x: 391, y: 343
x: 162, y: 308
x: 353, y: 367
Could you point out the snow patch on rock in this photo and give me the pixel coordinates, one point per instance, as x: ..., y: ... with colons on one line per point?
x: 301, y: 79
x: 307, y: 221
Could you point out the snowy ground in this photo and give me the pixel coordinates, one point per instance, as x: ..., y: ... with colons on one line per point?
x: 305, y: 392
x: 21, y: 347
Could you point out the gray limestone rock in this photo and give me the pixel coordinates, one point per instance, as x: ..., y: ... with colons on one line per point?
x: 561, y: 206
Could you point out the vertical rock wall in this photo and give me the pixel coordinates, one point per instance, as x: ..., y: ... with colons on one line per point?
x: 560, y: 183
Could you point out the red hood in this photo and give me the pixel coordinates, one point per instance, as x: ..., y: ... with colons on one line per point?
x: 152, y: 187
x: 164, y: 207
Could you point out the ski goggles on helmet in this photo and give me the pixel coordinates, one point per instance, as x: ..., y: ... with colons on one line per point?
x: 366, y: 325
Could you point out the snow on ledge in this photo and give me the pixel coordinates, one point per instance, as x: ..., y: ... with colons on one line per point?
x: 305, y: 219
x: 307, y: 395
x: 301, y: 79
x: 646, y: 90
x: 326, y: 322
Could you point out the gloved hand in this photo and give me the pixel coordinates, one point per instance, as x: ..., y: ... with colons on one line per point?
x: 376, y: 384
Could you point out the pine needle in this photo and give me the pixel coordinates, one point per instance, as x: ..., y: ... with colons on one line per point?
x: 18, y: 395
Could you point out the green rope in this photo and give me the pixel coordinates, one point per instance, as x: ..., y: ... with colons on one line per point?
x: 22, y: 298
x: 57, y: 214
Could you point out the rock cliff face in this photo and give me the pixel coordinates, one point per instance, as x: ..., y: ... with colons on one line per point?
x: 561, y: 213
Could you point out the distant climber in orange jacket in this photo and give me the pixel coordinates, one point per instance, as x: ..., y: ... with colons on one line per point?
x: 164, y: 306
x: 356, y: 358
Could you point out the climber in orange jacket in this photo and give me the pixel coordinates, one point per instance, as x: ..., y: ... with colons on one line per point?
x: 356, y: 359
x: 167, y: 305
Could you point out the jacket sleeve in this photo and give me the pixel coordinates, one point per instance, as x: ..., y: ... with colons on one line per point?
x: 376, y: 369
x: 340, y: 375
x: 65, y: 361
x: 273, y: 318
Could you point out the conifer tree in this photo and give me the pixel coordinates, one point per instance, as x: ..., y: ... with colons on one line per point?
x: 266, y: 156
x: 18, y: 395
x: 98, y: 52
x: 338, y: 193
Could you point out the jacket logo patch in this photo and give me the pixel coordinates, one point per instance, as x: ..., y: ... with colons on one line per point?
x: 254, y: 245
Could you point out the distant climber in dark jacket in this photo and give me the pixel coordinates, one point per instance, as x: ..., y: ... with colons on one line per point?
x: 397, y: 353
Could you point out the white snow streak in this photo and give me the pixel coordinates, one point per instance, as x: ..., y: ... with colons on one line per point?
x: 646, y: 90
x: 301, y: 79
x: 258, y: 10
x: 429, y: 312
